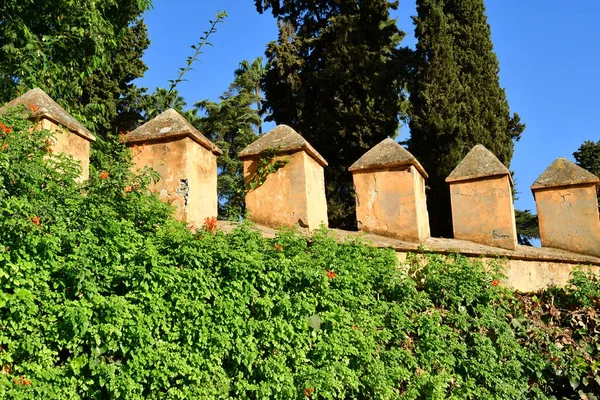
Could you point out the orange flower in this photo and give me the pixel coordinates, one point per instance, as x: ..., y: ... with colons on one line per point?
x: 49, y: 144
x: 210, y: 224
x: 5, y: 129
x: 104, y: 175
x: 36, y: 220
x: 127, y: 189
x: 33, y: 107
x: 4, y: 146
x: 308, y: 391
x: 495, y: 282
x: 331, y: 274
x: 278, y: 247
x: 22, y: 381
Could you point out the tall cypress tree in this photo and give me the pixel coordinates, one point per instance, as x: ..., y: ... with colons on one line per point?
x: 456, y: 98
x: 334, y: 78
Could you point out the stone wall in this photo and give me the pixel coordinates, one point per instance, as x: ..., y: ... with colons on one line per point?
x: 390, y: 193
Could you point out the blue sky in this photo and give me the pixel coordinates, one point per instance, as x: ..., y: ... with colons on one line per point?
x: 549, y: 53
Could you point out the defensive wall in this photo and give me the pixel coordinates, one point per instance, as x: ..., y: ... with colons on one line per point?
x: 390, y: 184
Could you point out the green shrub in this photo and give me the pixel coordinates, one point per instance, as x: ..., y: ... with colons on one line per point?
x: 104, y: 295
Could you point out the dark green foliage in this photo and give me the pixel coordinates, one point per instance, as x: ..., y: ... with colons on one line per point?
x: 112, y: 91
x: 527, y: 227
x: 83, y: 54
x: 456, y: 98
x: 248, y: 77
x: 231, y: 125
x: 587, y: 156
x: 336, y: 78
x: 102, y: 295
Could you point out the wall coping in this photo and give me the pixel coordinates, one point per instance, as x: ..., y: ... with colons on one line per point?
x: 444, y: 246
x: 43, y: 106
x: 387, y: 154
x: 478, y: 163
x: 167, y: 126
x: 564, y: 173
x: 281, y: 139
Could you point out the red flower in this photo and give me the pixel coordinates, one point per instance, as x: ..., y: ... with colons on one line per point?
x: 104, y: 175
x: 308, y: 391
x: 331, y: 274
x: 495, y: 282
x: 36, y: 220
x: 33, y: 107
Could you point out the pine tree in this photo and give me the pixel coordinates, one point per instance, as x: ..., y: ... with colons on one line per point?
x: 456, y: 98
x: 232, y: 124
x: 248, y: 77
x: 335, y: 77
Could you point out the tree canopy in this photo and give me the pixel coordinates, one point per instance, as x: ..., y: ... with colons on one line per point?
x: 456, y: 99
x: 335, y: 76
x: 232, y: 124
x: 78, y: 52
x: 587, y: 157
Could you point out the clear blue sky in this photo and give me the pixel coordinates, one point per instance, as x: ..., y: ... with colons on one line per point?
x: 549, y: 53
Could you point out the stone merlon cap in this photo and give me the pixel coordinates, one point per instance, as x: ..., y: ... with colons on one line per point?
x: 387, y: 154
x: 170, y: 124
x: 282, y: 139
x: 478, y: 163
x: 42, y: 106
x: 563, y: 172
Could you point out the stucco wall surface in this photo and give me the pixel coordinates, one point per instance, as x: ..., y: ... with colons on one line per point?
x: 281, y: 199
x: 387, y: 203
x: 315, y: 193
x: 188, y: 176
x: 202, y: 175
x: 70, y: 143
x: 483, y: 211
x: 569, y: 218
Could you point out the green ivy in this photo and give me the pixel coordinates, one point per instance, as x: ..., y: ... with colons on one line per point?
x: 104, y: 295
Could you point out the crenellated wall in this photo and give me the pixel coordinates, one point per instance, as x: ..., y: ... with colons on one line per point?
x: 390, y: 193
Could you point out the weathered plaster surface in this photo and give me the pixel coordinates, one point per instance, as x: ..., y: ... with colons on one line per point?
x: 315, y: 192
x: 69, y: 143
x: 391, y: 202
x: 292, y: 196
x: 188, y: 176
x: 483, y: 211
x: 202, y: 170
x: 568, y: 218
